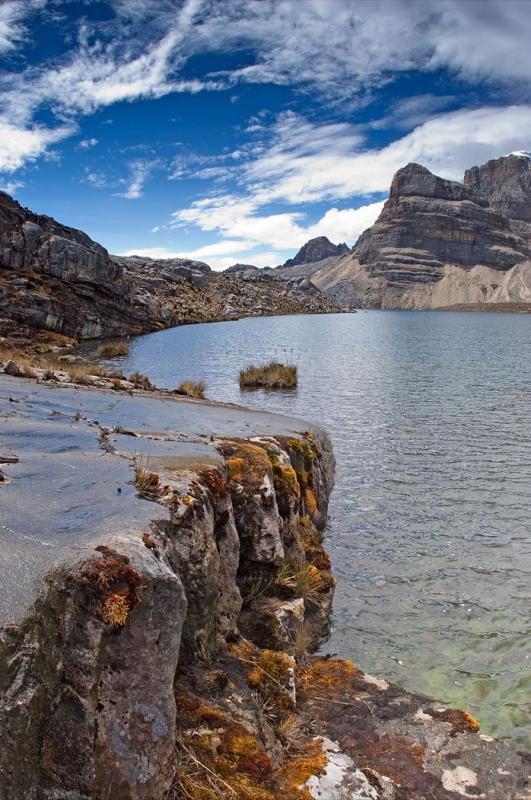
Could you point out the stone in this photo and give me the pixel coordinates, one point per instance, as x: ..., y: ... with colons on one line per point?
x: 429, y: 222
x: 12, y: 368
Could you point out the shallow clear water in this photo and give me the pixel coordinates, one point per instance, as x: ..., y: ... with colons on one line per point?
x: 430, y: 530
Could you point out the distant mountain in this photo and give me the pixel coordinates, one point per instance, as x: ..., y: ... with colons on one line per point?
x: 440, y: 243
x: 316, y: 250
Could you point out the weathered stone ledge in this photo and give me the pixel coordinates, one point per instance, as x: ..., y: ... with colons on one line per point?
x: 164, y: 579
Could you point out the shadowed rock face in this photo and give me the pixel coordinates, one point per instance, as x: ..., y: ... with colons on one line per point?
x: 39, y: 242
x: 429, y: 222
x: 316, y: 250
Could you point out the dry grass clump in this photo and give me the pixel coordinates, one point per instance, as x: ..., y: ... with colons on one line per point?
x: 270, y: 376
x: 146, y: 481
x: 21, y: 360
x: 113, y: 349
x: 194, y: 389
x: 140, y: 381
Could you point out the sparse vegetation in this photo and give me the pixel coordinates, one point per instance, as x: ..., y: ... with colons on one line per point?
x: 140, y: 381
x: 147, y: 482
x: 195, y: 389
x: 270, y: 376
x: 113, y: 349
x: 302, y: 638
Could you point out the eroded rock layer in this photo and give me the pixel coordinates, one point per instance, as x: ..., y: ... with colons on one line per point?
x: 429, y: 222
x: 439, y: 243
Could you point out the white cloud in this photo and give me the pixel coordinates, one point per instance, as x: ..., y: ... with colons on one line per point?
x: 19, y: 145
x: 12, y: 16
x: 307, y: 163
x: 84, y: 144
x: 339, y: 51
x: 10, y: 186
x: 140, y: 171
x: 345, y: 225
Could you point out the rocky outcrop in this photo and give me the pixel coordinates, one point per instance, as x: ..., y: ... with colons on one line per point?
x: 56, y: 279
x: 240, y: 268
x: 316, y: 250
x: 123, y: 671
x: 505, y: 184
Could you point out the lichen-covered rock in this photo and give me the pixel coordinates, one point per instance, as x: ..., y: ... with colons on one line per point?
x: 130, y: 679
x: 82, y: 715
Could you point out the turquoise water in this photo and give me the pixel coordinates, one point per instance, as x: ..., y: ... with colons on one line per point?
x: 430, y: 529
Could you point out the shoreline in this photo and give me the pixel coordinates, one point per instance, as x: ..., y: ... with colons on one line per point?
x: 257, y: 480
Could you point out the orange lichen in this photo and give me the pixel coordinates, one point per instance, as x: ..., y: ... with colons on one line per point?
x: 247, y: 464
x: 114, y: 583
x: 326, y: 673
x: 214, y: 482
x: 469, y: 722
x: 285, y: 479
x: 294, y: 772
x: 460, y: 721
x: 310, y: 502
x: 115, y: 609
x: 313, y: 547
x: 186, y: 500
x: 269, y: 673
x: 218, y: 756
x: 235, y: 469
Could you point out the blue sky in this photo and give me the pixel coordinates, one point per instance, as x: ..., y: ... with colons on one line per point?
x: 235, y: 130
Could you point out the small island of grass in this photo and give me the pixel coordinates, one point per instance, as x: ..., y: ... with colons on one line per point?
x: 194, y: 389
x: 271, y: 376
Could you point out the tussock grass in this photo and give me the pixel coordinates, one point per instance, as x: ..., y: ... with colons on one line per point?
x: 113, y: 349
x: 140, y: 381
x: 194, y: 389
x: 271, y: 376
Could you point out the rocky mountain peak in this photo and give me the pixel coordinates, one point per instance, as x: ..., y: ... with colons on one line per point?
x: 316, y: 250
x: 416, y: 180
x: 505, y: 183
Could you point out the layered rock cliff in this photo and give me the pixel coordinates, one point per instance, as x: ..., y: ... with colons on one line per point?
x: 56, y: 279
x: 505, y: 183
x: 439, y: 242
x: 163, y: 583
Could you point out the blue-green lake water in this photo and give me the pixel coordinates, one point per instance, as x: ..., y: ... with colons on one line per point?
x: 430, y: 520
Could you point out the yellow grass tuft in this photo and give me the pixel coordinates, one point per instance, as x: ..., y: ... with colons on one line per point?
x: 270, y: 376
x: 194, y: 389
x: 113, y: 349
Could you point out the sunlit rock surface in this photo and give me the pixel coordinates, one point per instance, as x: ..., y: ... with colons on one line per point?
x: 141, y: 535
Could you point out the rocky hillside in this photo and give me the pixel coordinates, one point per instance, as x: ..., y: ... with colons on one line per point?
x: 56, y: 279
x: 316, y: 250
x: 439, y: 243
